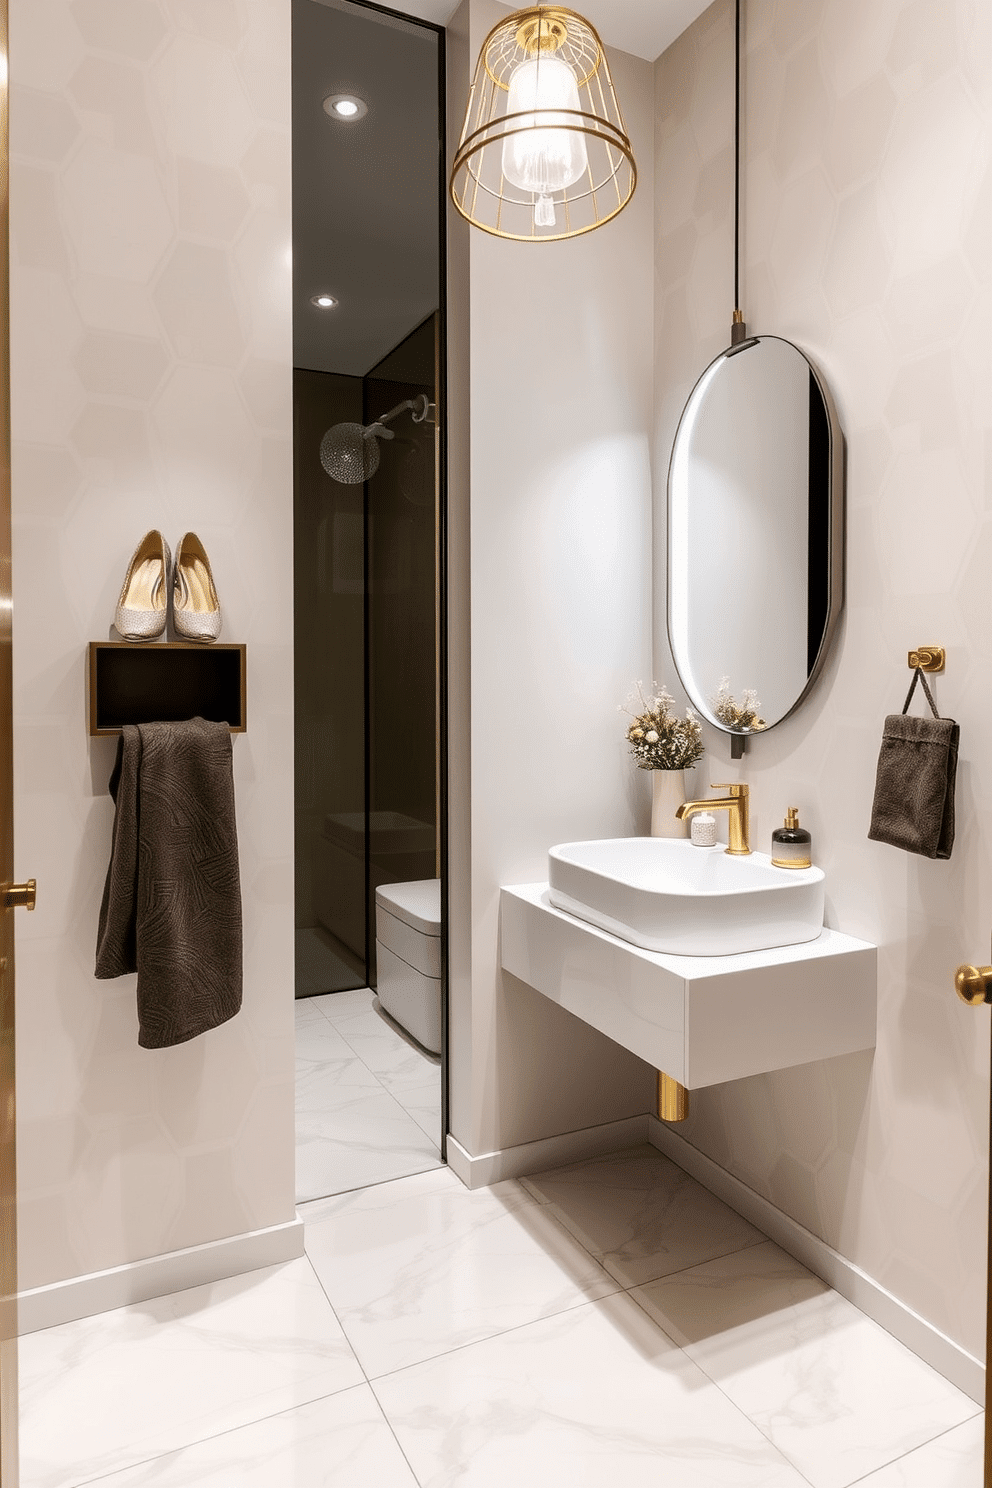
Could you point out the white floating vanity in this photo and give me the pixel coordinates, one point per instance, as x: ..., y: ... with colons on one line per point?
x: 700, y: 1019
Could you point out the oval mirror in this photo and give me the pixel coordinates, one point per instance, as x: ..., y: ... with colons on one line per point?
x: 755, y: 534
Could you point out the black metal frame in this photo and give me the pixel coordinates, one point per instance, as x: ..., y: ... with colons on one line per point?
x: 442, y: 535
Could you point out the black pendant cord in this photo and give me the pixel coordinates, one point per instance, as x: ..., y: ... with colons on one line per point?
x: 738, y: 330
x: 737, y: 159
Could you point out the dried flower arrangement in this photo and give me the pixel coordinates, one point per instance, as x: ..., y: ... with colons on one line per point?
x: 658, y: 739
x: 742, y: 717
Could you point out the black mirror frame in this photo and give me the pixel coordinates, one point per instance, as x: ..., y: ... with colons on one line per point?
x: 836, y: 527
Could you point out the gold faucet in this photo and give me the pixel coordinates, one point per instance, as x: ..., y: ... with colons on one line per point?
x: 735, y: 804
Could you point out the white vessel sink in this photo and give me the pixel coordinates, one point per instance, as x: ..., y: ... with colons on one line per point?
x: 667, y: 895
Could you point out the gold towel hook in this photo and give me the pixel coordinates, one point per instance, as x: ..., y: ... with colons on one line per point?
x: 928, y: 658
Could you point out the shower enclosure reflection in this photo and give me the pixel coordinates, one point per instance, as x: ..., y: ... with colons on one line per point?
x: 366, y: 658
x: 367, y: 521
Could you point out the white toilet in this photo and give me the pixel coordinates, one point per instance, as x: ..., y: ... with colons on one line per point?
x: 408, y: 957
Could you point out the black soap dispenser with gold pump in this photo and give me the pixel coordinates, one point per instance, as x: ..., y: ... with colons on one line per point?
x: 792, y: 845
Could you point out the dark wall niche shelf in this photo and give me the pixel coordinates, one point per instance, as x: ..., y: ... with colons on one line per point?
x: 131, y: 682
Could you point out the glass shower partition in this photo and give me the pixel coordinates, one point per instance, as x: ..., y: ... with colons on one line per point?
x: 330, y: 706
x: 366, y: 663
x: 401, y: 628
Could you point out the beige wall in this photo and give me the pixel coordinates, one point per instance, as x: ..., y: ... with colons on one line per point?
x: 551, y: 513
x: 151, y: 355
x: 868, y: 210
x: 151, y: 176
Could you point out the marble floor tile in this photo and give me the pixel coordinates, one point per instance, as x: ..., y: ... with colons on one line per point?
x: 350, y: 1130
x: 110, y: 1391
x: 423, y: 1103
x: 837, y: 1395
x: 596, y: 1397
x: 325, y: 1086
x: 338, y: 1005
x: 432, y: 1180
x: 640, y: 1214
x: 396, y: 1059
x: 317, y: 1041
x: 305, y: 1010
x: 413, y: 1273
x: 360, y: 1136
x: 342, y: 1441
x: 392, y: 1058
x: 954, y: 1460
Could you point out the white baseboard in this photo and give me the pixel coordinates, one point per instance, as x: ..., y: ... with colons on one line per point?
x: 932, y: 1346
x: 550, y: 1152
x: 100, y: 1291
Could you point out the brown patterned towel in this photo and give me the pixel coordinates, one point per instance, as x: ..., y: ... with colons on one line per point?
x: 913, y: 806
x: 171, y: 906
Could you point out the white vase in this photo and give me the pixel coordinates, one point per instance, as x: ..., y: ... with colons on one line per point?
x: 667, y: 795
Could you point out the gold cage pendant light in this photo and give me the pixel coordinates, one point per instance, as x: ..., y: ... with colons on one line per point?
x: 544, y: 154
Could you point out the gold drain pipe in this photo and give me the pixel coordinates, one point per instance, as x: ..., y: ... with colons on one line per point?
x: 673, y: 1099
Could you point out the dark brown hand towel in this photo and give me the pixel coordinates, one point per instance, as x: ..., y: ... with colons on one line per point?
x: 914, y: 784
x: 171, y: 906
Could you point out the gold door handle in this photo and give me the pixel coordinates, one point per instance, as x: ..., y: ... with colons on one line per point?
x: 20, y: 896
x: 973, y: 984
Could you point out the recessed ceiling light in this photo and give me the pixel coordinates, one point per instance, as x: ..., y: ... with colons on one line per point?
x: 345, y: 106
x: 323, y: 301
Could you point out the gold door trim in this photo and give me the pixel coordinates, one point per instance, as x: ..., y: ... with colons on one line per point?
x: 973, y: 984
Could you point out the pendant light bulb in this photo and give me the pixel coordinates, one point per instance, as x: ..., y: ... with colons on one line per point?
x: 545, y: 155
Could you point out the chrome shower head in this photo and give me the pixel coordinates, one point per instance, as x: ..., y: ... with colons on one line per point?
x: 350, y: 453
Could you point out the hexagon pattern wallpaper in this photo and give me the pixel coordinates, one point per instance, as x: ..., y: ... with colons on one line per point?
x: 867, y: 240
x: 151, y: 370
x: 151, y: 357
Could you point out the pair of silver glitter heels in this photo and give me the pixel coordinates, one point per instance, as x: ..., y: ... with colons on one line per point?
x: 143, y: 606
